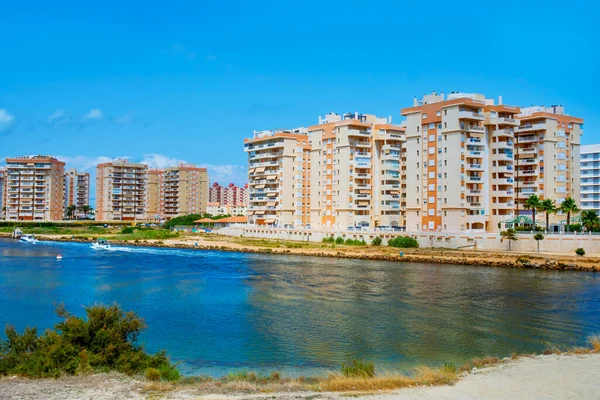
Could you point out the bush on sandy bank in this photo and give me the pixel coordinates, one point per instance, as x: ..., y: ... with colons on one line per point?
x: 104, y: 341
x: 403, y: 241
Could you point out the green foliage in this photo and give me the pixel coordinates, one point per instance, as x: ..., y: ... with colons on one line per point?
x: 449, y: 367
x: 152, y: 374
x: 538, y: 237
x: 569, y: 206
x: 509, y: 234
x: 403, y: 241
x: 549, y: 207
x: 329, y: 239
x: 376, y: 241
x: 359, y: 369
x: 106, y: 340
x: 528, y: 228
x: 580, y: 252
x: 127, y: 231
x: 355, y: 242
x: 339, y: 240
x: 533, y: 203
x: 185, y: 220
x: 574, y: 227
x: 590, y: 219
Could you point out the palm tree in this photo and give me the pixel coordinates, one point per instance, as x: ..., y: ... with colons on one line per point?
x: 589, y: 219
x: 70, y: 211
x: 509, y: 234
x: 538, y: 237
x: 569, y: 206
x: 549, y: 207
x: 533, y: 203
x: 85, y: 209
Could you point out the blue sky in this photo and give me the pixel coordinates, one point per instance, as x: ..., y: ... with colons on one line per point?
x: 189, y: 81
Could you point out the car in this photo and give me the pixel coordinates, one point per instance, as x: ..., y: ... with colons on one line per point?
x: 399, y: 228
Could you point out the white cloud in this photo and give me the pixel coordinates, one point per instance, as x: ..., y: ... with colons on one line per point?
x: 125, y: 119
x: 226, y: 173
x: 180, y: 50
x: 57, y: 115
x: 85, y: 163
x: 6, y: 119
x: 161, y: 161
x: 94, y: 113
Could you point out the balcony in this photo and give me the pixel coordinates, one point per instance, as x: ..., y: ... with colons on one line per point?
x: 360, y: 144
x: 531, y: 127
x: 475, y: 129
x: 504, y: 206
x: 473, y: 178
x: 388, y: 147
x: 471, y: 115
x: 527, y: 161
x: 361, y: 133
x: 507, y: 121
x: 474, y: 167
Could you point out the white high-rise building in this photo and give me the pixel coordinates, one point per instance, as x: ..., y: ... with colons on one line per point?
x: 590, y: 177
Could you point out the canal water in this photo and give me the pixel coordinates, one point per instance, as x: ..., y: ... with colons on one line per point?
x: 218, y: 311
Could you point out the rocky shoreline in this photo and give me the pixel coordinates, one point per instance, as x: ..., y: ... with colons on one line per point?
x: 507, y: 261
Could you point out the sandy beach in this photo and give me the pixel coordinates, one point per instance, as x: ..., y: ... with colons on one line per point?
x: 535, y: 377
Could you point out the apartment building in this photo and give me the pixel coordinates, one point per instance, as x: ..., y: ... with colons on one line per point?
x: 2, y: 211
x: 121, y: 191
x: 77, y: 190
x: 590, y: 177
x: 184, y: 190
x: 228, y: 195
x: 547, y: 147
x: 356, y: 169
x: 477, y: 162
x: 34, y: 188
x: 279, y: 167
x: 156, y: 209
x: 220, y: 209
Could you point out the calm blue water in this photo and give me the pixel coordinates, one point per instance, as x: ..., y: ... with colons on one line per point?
x: 218, y: 311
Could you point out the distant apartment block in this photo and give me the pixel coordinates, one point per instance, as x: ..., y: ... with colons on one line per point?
x: 34, y: 188
x: 156, y: 198
x: 228, y: 195
x: 121, y: 191
x: 2, y: 210
x: 590, y: 177
x: 221, y: 209
x: 185, y: 190
x: 77, y: 190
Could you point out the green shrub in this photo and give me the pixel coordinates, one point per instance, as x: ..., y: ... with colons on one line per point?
x: 152, y: 374
x: 355, y: 242
x: 359, y: 369
x: 449, y: 367
x: 523, y: 260
x: 376, y: 241
x: 403, y: 241
x: 580, y: 252
x: 329, y: 239
x: 339, y: 240
x: 105, y: 341
x: 127, y: 231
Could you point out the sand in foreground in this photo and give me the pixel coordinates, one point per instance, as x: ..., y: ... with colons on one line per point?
x: 539, y: 377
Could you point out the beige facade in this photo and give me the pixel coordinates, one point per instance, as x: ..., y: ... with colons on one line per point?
x: 279, y: 166
x: 226, y: 209
x: 156, y: 195
x: 77, y: 190
x: 185, y: 190
x: 475, y: 162
x: 121, y: 191
x: 34, y: 188
x: 356, y: 170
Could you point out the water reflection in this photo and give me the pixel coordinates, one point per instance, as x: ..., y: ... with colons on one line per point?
x: 215, y: 311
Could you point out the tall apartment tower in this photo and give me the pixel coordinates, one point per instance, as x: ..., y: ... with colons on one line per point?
x: 590, y: 177
x: 2, y: 210
x: 185, y: 190
x: 34, y: 188
x: 460, y: 150
x: 77, y: 190
x: 356, y: 169
x: 547, y: 160
x: 121, y: 191
x: 279, y: 167
x: 156, y: 210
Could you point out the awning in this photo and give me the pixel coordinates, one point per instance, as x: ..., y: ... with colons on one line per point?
x: 363, y: 203
x: 261, y: 169
x: 251, y: 170
x: 269, y: 220
x: 271, y: 194
x: 259, y: 186
x: 271, y: 204
x: 364, y: 191
x: 250, y: 212
x: 259, y: 213
x: 272, y: 177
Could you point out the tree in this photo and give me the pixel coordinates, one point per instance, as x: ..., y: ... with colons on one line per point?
x: 569, y: 206
x: 533, y: 203
x: 70, y: 210
x: 86, y: 209
x: 590, y: 219
x: 538, y: 237
x: 509, y: 234
x: 549, y: 207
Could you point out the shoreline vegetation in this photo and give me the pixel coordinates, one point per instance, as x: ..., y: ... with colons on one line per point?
x: 105, y: 343
x: 201, y: 241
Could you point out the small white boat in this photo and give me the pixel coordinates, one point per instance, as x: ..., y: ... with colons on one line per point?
x: 58, y: 257
x: 101, y: 244
x: 28, y: 239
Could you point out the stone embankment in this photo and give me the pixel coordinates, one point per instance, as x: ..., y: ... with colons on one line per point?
x: 475, y: 258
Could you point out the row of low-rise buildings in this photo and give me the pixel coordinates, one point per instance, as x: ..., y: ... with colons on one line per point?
x: 457, y: 163
x: 37, y: 188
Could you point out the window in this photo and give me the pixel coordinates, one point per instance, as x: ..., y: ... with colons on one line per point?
x: 438, y: 113
x: 424, y: 116
x: 445, y: 112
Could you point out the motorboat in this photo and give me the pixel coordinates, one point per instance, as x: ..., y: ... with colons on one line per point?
x: 28, y: 239
x: 101, y: 244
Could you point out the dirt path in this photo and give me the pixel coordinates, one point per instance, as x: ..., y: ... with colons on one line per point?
x: 539, y: 377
